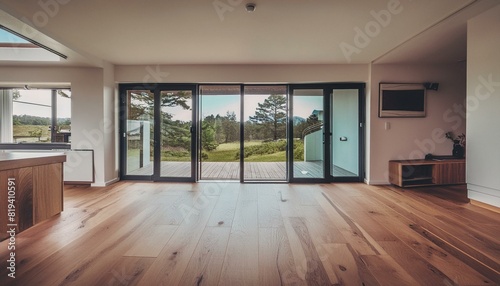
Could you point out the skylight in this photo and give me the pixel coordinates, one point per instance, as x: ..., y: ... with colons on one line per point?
x: 17, y: 48
x: 8, y: 38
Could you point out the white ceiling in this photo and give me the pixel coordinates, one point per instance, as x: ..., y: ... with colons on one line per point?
x: 128, y: 32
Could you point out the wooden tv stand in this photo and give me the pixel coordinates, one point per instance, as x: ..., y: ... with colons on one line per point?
x: 416, y: 173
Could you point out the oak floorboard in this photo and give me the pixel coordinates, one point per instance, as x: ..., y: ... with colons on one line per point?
x: 269, y: 209
x: 485, y: 255
x: 298, y: 253
x: 382, y: 265
x: 421, y: 270
x: 152, y: 242
x: 448, y: 264
x: 126, y: 271
x: 276, y: 265
x: 347, y: 228
x: 241, y: 260
x: 205, y: 265
x: 78, y: 258
x: 315, y: 273
x: 145, y: 233
x: 343, y: 264
x: 487, y: 225
x: 171, y: 263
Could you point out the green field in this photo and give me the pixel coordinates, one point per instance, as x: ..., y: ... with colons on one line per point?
x: 31, y: 133
x: 228, y: 152
x: 256, y: 151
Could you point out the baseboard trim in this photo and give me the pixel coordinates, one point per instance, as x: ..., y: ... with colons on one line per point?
x: 485, y: 206
x: 107, y: 183
x: 376, y: 183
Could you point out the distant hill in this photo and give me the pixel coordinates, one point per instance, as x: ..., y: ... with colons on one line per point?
x: 36, y: 120
x: 297, y: 120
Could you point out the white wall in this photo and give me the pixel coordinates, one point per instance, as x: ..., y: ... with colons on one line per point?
x: 313, y: 146
x: 88, y: 110
x: 412, y: 138
x: 241, y: 73
x: 483, y: 112
x: 110, y: 123
x: 6, y: 129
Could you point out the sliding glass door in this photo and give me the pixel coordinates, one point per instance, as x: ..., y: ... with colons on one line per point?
x: 157, y: 129
x: 137, y: 132
x: 243, y: 132
x: 174, y: 134
x: 326, y: 128
x: 345, y: 126
x: 308, y: 133
x: 219, y: 135
x: 265, y: 133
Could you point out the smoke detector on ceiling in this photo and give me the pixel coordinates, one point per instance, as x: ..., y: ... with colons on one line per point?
x: 250, y: 7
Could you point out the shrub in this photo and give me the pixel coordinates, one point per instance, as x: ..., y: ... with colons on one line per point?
x: 264, y: 148
x: 298, y: 150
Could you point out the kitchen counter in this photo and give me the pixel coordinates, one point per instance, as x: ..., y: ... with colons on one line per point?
x: 31, y: 189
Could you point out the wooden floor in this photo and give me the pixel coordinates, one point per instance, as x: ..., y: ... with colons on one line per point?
x: 274, y: 171
x: 136, y: 233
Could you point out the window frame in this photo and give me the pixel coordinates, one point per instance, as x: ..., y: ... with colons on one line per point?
x: 9, y: 143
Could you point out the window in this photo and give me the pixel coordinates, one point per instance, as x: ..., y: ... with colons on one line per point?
x: 16, y: 47
x: 38, y: 115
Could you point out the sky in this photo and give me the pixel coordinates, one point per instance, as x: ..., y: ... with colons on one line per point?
x: 6, y: 37
x: 210, y: 104
x: 220, y: 104
x: 42, y: 98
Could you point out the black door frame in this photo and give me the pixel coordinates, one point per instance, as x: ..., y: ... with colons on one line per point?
x: 156, y: 90
x: 327, y: 97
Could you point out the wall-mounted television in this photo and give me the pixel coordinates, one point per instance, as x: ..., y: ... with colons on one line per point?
x: 402, y: 100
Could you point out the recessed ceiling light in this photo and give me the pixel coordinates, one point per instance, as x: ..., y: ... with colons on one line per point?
x: 250, y: 7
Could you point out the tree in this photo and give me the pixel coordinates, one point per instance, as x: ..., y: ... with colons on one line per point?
x: 175, y: 133
x: 208, y: 141
x: 230, y: 127
x: 272, y: 114
x: 142, y: 103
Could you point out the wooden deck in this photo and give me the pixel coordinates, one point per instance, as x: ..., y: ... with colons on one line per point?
x: 224, y: 233
x: 267, y: 171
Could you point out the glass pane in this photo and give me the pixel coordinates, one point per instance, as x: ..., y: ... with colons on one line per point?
x: 265, y: 133
x: 32, y: 115
x: 308, y: 132
x: 63, y: 116
x: 140, y: 123
x: 345, y: 133
x: 176, y: 121
x: 220, y: 132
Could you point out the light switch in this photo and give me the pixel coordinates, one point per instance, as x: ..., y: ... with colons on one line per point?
x: 387, y: 125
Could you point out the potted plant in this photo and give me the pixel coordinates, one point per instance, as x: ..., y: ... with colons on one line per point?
x: 458, y: 144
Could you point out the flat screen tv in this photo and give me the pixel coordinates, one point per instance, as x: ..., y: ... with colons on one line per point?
x: 402, y: 100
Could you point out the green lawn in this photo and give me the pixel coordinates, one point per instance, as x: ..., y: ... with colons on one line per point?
x: 226, y: 152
